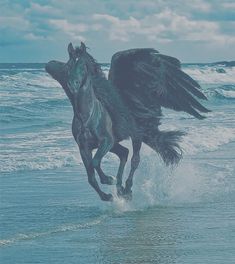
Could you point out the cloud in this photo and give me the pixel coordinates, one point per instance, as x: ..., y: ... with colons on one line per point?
x: 64, y: 25
x: 198, y: 5
x: 37, y: 11
x: 156, y: 21
x: 163, y: 27
x: 228, y: 5
x: 118, y: 24
x: 14, y: 22
x: 31, y: 36
x: 118, y: 29
x: 71, y: 29
x: 12, y: 30
x: 42, y: 9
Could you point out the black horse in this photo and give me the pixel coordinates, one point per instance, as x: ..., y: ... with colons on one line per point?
x: 127, y: 105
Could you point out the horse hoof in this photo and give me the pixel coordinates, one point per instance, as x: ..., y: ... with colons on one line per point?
x: 108, y: 180
x: 107, y: 197
x: 127, y: 195
x: 120, y: 191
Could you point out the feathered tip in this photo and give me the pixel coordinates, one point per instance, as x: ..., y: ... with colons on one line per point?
x: 166, y: 144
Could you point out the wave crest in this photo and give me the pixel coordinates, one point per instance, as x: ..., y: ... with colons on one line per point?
x: 211, y: 74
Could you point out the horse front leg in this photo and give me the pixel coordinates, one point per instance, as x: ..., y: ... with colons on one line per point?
x: 105, y: 146
x: 135, y: 160
x: 86, y: 155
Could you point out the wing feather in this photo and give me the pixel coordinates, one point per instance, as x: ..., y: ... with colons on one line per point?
x: 155, y: 80
x: 188, y: 83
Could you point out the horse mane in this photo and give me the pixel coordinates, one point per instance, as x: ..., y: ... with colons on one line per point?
x: 110, y: 98
x: 93, y: 67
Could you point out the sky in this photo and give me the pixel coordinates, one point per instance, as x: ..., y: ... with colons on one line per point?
x: 192, y: 31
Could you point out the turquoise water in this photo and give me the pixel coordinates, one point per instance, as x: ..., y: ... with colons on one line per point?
x: 49, y: 213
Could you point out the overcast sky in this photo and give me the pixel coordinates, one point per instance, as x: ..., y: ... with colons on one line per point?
x: 193, y: 31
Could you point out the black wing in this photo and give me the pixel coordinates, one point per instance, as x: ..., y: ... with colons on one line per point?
x: 150, y: 80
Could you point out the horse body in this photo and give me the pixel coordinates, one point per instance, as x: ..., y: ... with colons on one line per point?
x: 105, y: 114
x: 92, y: 125
x: 96, y: 129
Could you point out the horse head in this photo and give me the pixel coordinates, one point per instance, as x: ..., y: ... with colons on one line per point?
x: 83, y: 69
x: 73, y: 74
x: 79, y: 69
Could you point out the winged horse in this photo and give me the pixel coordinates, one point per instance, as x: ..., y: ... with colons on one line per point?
x: 127, y: 105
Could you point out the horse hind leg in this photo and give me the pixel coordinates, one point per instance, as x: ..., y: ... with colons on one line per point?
x: 135, y: 160
x: 104, y: 179
x: 122, y: 154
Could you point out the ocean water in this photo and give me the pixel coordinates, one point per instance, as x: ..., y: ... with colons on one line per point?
x: 49, y: 213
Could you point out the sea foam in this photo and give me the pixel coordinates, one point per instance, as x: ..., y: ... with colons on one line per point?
x: 211, y: 75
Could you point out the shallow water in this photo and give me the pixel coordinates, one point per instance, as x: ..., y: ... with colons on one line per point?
x: 49, y: 213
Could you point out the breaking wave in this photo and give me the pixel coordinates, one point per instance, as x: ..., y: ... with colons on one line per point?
x: 225, y: 94
x: 211, y: 74
x: 50, y: 150
x: 206, y: 139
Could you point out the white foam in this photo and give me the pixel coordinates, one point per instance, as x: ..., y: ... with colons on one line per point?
x: 20, y: 79
x: 105, y: 71
x: 22, y: 69
x: 59, y: 229
x: 230, y: 94
x: 38, y: 151
x: 210, y: 75
x: 120, y: 205
x: 199, y: 139
x: 27, y: 87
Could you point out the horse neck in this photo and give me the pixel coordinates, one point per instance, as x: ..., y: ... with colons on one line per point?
x: 87, y: 101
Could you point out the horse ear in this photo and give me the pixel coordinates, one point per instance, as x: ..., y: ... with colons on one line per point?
x: 83, y: 47
x: 71, y: 50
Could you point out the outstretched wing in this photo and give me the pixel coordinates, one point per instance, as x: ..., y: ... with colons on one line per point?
x: 148, y: 80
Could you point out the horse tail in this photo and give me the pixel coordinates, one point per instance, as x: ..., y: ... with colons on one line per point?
x: 166, y: 144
